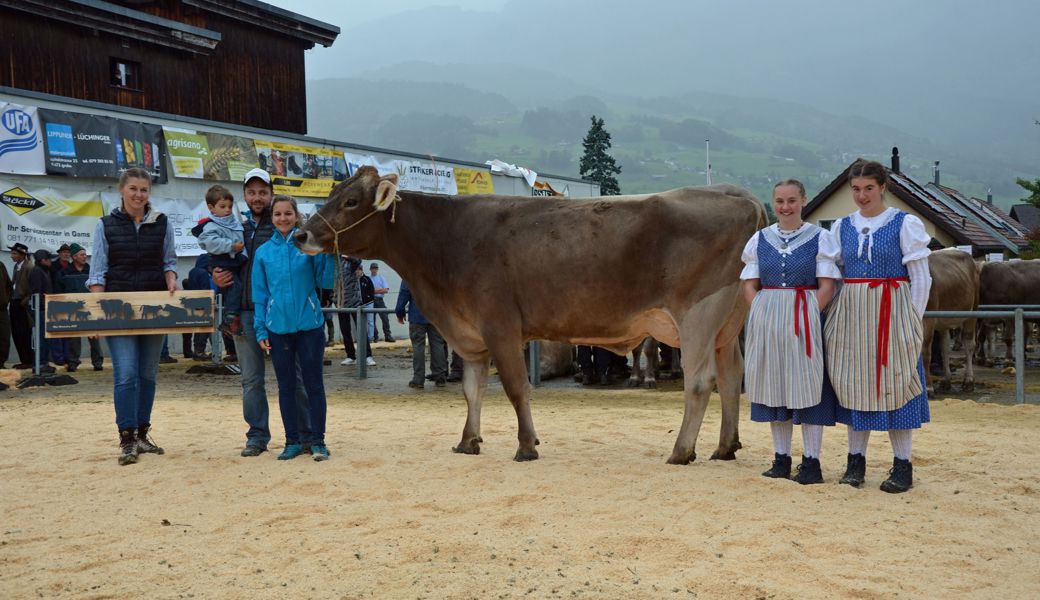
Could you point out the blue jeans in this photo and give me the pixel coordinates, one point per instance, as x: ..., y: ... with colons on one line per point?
x: 304, y: 423
x: 254, y: 395
x: 135, y: 363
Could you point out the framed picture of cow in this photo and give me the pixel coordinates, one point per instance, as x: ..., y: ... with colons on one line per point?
x: 129, y: 313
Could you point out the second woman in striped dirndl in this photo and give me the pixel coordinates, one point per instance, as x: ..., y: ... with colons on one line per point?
x: 784, y: 367
x: 873, y: 332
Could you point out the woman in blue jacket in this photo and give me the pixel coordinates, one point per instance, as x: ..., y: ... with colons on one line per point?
x: 289, y: 323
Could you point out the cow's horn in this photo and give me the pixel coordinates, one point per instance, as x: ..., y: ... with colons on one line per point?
x: 386, y: 192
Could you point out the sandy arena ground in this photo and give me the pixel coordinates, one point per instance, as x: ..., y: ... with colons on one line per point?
x: 395, y: 514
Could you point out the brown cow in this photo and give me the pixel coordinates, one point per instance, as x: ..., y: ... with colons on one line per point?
x: 1011, y: 284
x: 955, y: 286
x: 495, y: 271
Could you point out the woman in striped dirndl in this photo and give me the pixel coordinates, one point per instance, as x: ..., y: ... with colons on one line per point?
x: 873, y: 332
x: 784, y: 371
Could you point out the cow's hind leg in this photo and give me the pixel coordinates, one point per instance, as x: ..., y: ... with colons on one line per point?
x: 474, y: 385
x: 636, y: 377
x: 968, y: 336
x: 944, y: 347
x: 730, y: 367
x: 650, y: 351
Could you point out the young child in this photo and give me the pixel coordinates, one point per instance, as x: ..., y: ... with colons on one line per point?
x: 787, y: 284
x: 221, y: 236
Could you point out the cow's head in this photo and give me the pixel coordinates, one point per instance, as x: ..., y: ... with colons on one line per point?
x: 350, y: 214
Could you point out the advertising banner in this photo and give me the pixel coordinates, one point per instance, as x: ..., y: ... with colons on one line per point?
x: 542, y: 188
x: 82, y: 145
x: 141, y: 145
x: 414, y: 175
x: 211, y: 156
x: 47, y: 218
x: 301, y: 170
x: 188, y: 152
x: 21, y: 143
x: 473, y: 181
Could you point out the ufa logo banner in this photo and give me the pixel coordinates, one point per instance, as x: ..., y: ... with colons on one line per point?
x: 21, y: 147
x: 47, y: 218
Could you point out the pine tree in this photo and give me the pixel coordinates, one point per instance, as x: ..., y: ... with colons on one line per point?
x: 597, y: 164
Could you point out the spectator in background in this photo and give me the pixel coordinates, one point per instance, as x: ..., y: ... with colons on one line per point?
x: 289, y: 323
x: 352, y: 298
x: 40, y: 283
x: 5, y: 316
x: 419, y: 329
x: 59, y: 348
x: 198, y: 279
x: 381, y: 289
x: 134, y: 251
x: 73, y: 280
x: 21, y: 323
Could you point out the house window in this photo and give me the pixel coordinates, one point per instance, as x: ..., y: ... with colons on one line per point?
x: 826, y: 223
x: 125, y: 73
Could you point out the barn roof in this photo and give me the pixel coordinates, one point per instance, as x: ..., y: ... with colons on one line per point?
x: 136, y: 24
x: 966, y: 220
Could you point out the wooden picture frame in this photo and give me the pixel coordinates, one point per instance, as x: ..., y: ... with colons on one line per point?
x: 129, y: 313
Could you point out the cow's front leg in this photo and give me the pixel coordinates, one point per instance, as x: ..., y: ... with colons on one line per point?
x: 474, y: 385
x: 509, y: 359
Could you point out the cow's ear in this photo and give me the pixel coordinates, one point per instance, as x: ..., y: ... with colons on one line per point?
x: 385, y: 192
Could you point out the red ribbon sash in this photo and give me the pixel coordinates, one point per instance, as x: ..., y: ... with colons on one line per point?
x: 884, y: 320
x: 800, y: 302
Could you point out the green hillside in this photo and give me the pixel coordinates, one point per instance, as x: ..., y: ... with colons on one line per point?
x: 658, y: 142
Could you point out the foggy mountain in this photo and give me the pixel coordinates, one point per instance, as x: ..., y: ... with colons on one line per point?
x: 954, y: 78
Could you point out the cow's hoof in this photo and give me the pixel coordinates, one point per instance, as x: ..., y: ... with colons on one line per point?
x: 968, y: 386
x: 677, y: 459
x: 651, y: 385
x: 470, y: 447
x: 721, y: 454
x: 943, y: 387
x: 633, y: 383
x: 525, y: 455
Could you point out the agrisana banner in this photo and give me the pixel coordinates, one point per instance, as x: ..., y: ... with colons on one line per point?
x: 211, y: 156
x: 301, y: 170
x: 82, y: 145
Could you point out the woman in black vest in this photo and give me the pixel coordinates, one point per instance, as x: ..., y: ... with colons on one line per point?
x: 134, y: 252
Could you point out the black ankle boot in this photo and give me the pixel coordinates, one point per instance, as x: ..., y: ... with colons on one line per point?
x: 781, y: 468
x: 900, y: 478
x: 146, y: 444
x: 855, y: 471
x: 127, y: 446
x: 809, y: 471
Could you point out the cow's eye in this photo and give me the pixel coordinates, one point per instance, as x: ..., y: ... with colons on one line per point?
x: 352, y: 202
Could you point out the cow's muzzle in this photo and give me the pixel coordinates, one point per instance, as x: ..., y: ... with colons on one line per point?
x: 305, y: 242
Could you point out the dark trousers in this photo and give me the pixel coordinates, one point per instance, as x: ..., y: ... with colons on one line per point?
x: 21, y: 332
x: 5, y: 335
x: 304, y: 424
x: 593, y: 359
x: 346, y: 321
x: 76, y: 349
x: 438, y: 361
x: 385, y: 318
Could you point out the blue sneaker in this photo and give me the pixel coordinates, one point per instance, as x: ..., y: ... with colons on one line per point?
x: 291, y: 451
x: 320, y: 452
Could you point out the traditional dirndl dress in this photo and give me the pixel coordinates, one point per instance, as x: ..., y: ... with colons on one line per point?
x: 784, y: 370
x: 873, y: 335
